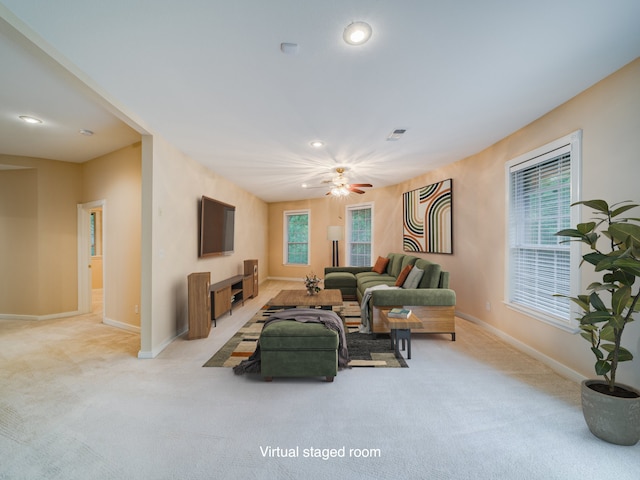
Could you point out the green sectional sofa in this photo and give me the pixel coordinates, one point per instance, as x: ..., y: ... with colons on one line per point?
x: 431, y: 300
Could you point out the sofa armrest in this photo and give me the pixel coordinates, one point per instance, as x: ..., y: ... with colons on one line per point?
x: 353, y: 270
x: 413, y: 296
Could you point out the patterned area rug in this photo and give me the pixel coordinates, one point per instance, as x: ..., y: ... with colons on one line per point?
x: 364, y: 350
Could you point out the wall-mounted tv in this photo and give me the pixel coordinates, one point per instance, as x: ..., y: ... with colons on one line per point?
x: 216, y: 227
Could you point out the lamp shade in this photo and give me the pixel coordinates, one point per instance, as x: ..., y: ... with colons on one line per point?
x: 334, y: 232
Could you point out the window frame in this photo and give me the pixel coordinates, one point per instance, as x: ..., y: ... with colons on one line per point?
x: 572, y: 144
x: 348, y: 228
x: 285, y: 236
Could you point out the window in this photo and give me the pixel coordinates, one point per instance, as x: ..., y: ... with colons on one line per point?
x: 359, y: 235
x: 296, y: 234
x: 541, y: 187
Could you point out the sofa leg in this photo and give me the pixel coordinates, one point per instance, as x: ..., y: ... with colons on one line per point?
x: 268, y: 379
x: 453, y: 337
x: 329, y: 379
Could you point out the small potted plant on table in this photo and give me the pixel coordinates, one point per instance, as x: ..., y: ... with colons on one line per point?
x: 312, y: 283
x: 611, y: 409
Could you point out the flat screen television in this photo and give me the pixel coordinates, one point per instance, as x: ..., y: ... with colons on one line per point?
x: 216, y: 227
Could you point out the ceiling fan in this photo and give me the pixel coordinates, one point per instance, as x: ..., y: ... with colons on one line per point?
x: 342, y: 187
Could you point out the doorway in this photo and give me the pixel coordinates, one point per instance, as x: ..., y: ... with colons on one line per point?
x: 91, y: 257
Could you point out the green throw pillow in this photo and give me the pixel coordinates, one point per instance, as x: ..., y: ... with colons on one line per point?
x: 413, y: 279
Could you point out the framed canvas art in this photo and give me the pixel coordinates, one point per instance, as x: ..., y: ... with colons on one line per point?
x: 427, y: 223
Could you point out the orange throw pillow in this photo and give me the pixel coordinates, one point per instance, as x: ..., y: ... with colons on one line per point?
x: 403, y: 275
x: 381, y: 265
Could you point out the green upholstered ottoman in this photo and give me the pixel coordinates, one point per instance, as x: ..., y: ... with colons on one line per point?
x: 297, y: 349
x: 346, y: 282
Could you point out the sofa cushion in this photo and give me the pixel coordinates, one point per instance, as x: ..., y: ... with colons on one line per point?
x: 403, y: 275
x: 431, y: 276
x: 413, y: 279
x: 339, y: 280
x: 381, y: 265
x: 364, y: 283
x: 292, y: 335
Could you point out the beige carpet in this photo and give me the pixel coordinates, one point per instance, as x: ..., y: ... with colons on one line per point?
x: 76, y: 403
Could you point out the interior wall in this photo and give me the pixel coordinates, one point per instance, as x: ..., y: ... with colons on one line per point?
x: 607, y: 113
x: 18, y: 240
x: 328, y: 211
x: 53, y: 289
x: 177, y: 184
x: 116, y: 178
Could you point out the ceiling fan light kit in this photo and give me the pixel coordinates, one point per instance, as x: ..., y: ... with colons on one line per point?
x: 341, y: 186
x: 357, y: 33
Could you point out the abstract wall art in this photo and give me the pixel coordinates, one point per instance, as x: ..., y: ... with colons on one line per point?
x: 428, y: 219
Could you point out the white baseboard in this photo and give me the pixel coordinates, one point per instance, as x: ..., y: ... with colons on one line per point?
x: 287, y: 279
x: 558, y: 367
x: 121, y: 325
x: 150, y: 354
x: 37, y: 318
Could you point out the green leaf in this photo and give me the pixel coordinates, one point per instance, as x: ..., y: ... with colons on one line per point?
x: 571, y: 232
x: 622, y: 209
x: 596, y: 317
x: 602, y: 367
x: 624, y: 355
x: 597, y: 303
x: 598, y: 205
x: 621, y: 231
x: 585, y: 228
x: 628, y: 265
x: 599, y: 355
x: 620, y: 299
x: 608, y: 333
x: 587, y: 336
x: 617, y: 321
x: 594, y: 258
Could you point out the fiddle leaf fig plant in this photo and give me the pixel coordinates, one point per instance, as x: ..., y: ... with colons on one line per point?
x: 609, y: 305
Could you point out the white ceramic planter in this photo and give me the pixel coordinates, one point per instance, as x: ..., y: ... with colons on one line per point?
x: 612, y: 419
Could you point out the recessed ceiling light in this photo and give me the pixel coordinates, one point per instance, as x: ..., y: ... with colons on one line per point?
x: 357, y: 33
x: 317, y: 144
x: 28, y: 119
x: 85, y: 132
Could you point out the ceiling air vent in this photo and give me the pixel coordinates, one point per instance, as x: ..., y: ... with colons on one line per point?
x: 396, y: 134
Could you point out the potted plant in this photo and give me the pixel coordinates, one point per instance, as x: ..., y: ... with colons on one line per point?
x: 312, y: 283
x: 611, y: 409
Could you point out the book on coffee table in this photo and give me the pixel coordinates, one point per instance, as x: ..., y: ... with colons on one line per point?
x: 399, y: 313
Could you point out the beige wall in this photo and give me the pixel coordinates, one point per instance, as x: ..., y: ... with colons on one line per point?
x: 173, y: 185
x: 18, y: 241
x: 43, y: 271
x: 608, y: 114
x: 116, y: 178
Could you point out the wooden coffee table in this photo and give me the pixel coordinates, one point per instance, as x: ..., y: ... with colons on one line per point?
x: 324, y: 299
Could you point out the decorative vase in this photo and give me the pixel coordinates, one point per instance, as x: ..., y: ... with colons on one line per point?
x: 612, y: 419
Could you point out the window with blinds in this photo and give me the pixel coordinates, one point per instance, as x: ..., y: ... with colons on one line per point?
x: 296, y: 235
x: 359, y: 235
x: 541, y: 189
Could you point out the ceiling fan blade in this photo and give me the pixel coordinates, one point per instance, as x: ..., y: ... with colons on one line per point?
x: 361, y: 185
x: 355, y: 190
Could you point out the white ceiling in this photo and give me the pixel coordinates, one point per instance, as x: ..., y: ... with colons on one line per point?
x: 209, y: 76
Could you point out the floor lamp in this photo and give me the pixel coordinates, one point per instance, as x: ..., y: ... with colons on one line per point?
x: 334, y: 233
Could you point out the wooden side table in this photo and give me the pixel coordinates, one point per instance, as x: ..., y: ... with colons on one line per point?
x: 400, y: 329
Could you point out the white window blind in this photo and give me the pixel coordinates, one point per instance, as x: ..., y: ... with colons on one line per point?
x: 542, y: 186
x: 540, y: 264
x: 296, y: 235
x: 359, y: 235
